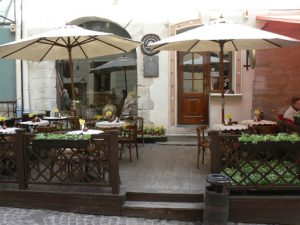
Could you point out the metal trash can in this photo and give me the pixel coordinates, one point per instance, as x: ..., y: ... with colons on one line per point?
x: 216, y: 200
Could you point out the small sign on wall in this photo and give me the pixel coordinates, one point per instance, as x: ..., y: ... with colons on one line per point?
x: 150, y: 66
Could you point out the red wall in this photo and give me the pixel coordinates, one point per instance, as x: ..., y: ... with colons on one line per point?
x: 277, y: 72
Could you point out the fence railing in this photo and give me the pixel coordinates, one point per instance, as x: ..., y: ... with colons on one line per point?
x: 94, y: 162
x: 261, y: 166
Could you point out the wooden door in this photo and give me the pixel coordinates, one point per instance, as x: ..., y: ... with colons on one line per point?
x: 193, y: 75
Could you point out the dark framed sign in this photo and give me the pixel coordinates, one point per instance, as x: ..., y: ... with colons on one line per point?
x: 150, y: 66
x: 146, y: 40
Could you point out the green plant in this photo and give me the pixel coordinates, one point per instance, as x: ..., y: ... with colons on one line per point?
x: 254, y: 138
x: 74, y: 137
x: 152, y: 130
x: 297, y: 114
x: 264, y: 173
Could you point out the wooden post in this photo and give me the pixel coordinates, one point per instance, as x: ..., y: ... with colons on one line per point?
x: 215, y: 158
x: 114, y: 176
x: 20, y: 149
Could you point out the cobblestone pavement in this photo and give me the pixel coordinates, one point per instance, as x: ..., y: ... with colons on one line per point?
x: 18, y: 216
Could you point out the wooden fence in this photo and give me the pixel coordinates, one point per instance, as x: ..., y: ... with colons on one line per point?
x: 265, y: 178
x: 25, y: 161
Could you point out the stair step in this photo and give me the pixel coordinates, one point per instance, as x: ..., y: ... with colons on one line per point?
x: 164, y: 205
x: 163, y: 197
x: 163, y: 210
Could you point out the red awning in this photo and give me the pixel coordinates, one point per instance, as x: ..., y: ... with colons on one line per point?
x: 285, y: 19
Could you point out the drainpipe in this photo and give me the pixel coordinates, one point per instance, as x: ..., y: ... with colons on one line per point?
x: 23, y: 65
x: 19, y: 76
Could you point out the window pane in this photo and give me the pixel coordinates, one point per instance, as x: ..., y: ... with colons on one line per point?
x: 187, y: 59
x: 187, y: 86
x: 198, y: 86
x: 187, y: 75
x: 214, y: 83
x: 215, y: 67
x: 198, y: 59
x: 198, y: 75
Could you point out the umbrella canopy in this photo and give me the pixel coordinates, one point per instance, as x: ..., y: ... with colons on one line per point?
x: 67, y: 42
x: 123, y: 62
x: 222, y: 35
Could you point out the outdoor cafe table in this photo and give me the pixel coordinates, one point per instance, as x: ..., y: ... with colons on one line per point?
x: 229, y: 128
x: 8, y: 130
x: 110, y: 125
x: 261, y: 127
x: 89, y: 131
x: 52, y: 119
x: 258, y: 123
x: 34, y: 124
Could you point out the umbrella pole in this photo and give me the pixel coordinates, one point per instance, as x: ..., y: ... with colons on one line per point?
x: 71, y: 74
x: 125, y: 81
x: 221, y: 72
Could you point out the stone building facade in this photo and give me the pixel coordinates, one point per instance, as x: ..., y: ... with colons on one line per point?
x: 268, y: 86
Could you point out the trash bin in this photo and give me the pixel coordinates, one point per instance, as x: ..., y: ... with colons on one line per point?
x: 216, y: 200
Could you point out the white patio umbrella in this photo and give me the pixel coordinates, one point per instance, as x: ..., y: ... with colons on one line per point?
x: 222, y: 35
x: 67, y: 42
x: 123, y: 63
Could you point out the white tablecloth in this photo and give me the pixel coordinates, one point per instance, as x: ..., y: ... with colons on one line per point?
x: 89, y: 131
x: 251, y: 123
x: 107, y: 124
x: 53, y: 118
x: 9, y: 130
x: 222, y: 127
x: 41, y: 123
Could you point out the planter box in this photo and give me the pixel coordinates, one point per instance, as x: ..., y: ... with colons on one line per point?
x: 60, y: 143
x: 271, y: 145
x: 153, y: 139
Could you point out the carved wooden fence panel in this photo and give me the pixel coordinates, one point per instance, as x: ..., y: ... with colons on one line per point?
x: 94, y: 162
x: 265, y: 165
x: 8, y: 166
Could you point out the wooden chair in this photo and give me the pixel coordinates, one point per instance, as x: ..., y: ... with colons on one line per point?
x: 127, y: 138
x: 139, y: 121
x: 74, y: 122
x: 266, y: 129
x: 203, y: 142
x: 46, y: 129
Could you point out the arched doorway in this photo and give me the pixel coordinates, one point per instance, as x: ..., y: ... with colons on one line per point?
x: 94, y: 87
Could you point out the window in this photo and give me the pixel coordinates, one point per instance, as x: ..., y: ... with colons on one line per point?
x: 215, y: 85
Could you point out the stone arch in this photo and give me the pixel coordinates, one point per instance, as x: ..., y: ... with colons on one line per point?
x: 94, y: 86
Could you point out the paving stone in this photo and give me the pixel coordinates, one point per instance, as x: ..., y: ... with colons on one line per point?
x: 18, y: 216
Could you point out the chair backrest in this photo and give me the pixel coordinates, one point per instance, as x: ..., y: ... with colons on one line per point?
x: 128, y: 133
x: 46, y: 129
x: 266, y: 129
x: 201, y: 134
x: 74, y: 122
x: 139, y: 121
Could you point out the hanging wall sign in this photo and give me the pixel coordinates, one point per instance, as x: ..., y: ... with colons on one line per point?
x: 151, y: 66
x: 146, y: 40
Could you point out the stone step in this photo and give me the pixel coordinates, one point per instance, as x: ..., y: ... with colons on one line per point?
x: 163, y: 210
x: 163, y: 197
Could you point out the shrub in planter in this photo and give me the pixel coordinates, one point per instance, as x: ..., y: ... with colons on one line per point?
x: 153, y: 134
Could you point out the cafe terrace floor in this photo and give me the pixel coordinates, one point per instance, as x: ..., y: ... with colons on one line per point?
x: 164, y: 168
